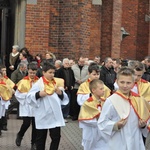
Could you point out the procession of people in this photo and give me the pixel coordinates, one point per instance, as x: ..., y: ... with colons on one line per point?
x: 109, y: 98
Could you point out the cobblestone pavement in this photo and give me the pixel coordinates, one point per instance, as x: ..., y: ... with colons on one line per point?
x: 70, y: 136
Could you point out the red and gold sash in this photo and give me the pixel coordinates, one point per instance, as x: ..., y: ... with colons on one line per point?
x: 140, y: 106
x: 89, y: 110
x: 5, y: 91
x: 144, y: 89
x: 84, y: 89
x: 25, y: 84
x: 49, y: 85
x: 9, y: 82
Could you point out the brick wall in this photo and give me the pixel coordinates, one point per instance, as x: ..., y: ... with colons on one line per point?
x: 135, y: 46
x: 142, y: 30
x: 95, y: 31
x: 130, y: 21
x: 106, y: 28
x: 68, y: 41
x: 71, y: 28
x: 75, y: 29
x: 116, y: 29
x: 37, y: 26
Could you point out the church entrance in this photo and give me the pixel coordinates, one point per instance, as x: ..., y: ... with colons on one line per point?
x: 7, y: 16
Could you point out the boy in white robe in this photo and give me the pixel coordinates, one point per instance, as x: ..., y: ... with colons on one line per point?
x: 25, y: 111
x: 124, y: 115
x: 84, y: 92
x: 11, y: 84
x: 46, y: 98
x: 88, y: 116
x: 6, y: 93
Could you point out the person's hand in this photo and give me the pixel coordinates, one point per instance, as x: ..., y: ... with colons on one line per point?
x: 121, y: 123
x: 58, y: 91
x: 142, y: 123
x: 42, y: 93
x: 79, y: 81
x: 11, y: 67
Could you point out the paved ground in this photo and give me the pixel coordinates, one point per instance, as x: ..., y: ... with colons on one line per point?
x: 70, y: 140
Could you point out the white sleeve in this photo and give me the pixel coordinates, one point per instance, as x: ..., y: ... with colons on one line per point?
x: 31, y: 99
x: 65, y: 100
x: 21, y: 97
x: 81, y: 98
x: 90, y: 123
x: 107, y: 120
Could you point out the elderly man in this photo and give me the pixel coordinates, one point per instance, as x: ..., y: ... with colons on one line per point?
x: 66, y: 73
x: 58, y: 65
x: 80, y: 71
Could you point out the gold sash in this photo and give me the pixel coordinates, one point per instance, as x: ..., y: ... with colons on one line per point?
x: 144, y: 89
x: 9, y: 82
x: 59, y: 82
x: 5, y: 91
x: 84, y: 89
x: 89, y: 110
x: 24, y: 85
x: 49, y: 85
x: 140, y: 106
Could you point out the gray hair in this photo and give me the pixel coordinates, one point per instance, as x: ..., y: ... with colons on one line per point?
x: 107, y: 59
x: 65, y: 59
x: 58, y: 62
x: 22, y: 64
x: 15, y: 47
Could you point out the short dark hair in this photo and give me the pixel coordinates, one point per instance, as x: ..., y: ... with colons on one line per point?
x: 139, y: 66
x: 118, y: 60
x: 93, y: 84
x: 24, y: 54
x: 93, y: 67
x: 32, y: 66
x: 47, y: 66
x: 2, y: 66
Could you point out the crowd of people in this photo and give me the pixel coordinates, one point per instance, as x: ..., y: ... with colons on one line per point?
x: 110, y: 99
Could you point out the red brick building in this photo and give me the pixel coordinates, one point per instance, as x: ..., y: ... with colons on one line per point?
x: 71, y: 28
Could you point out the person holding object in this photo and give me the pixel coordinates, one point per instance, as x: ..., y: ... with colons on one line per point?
x: 46, y: 97
x: 25, y: 111
x: 124, y: 116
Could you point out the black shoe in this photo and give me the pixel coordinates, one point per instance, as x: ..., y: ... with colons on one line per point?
x: 0, y: 132
x: 33, y: 147
x: 18, y: 140
x: 19, y: 118
x: 74, y: 118
x: 4, y: 128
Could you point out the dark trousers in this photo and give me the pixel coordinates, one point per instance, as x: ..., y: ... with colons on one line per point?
x: 74, y: 107
x: 13, y: 104
x: 25, y: 125
x: 0, y: 123
x: 4, y: 121
x: 41, y: 138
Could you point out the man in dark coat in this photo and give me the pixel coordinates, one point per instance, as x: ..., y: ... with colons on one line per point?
x: 107, y: 73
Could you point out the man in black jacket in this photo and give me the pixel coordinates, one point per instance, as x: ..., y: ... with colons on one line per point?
x: 107, y: 73
x: 66, y: 73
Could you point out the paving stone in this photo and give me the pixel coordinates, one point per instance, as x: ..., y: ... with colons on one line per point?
x: 70, y: 136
